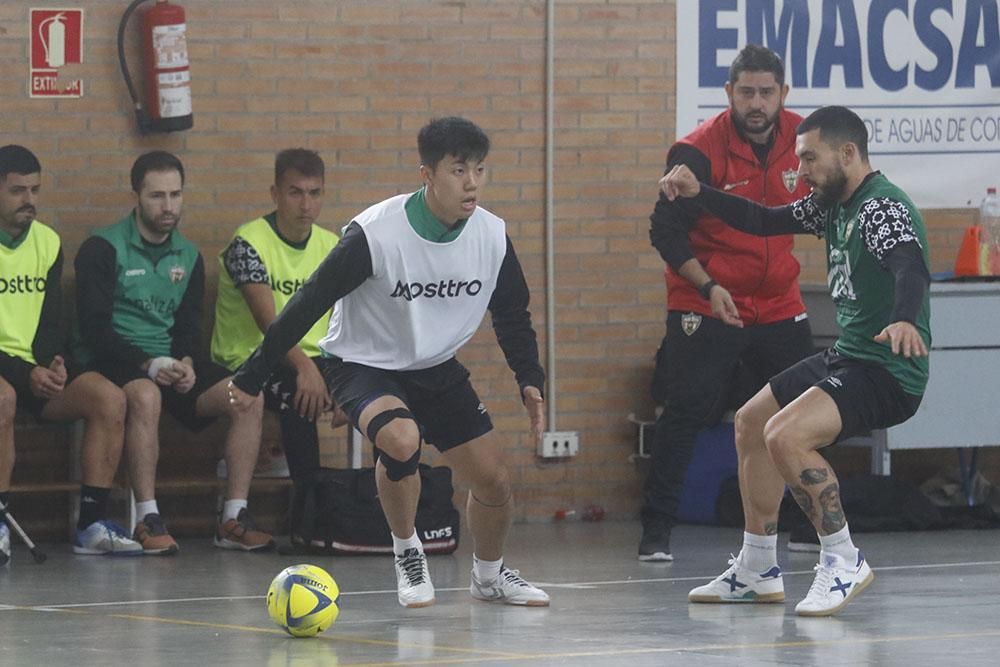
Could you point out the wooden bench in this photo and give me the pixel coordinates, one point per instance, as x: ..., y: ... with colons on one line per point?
x: 47, y: 473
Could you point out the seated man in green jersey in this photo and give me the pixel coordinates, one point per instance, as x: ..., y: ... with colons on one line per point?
x: 874, y: 376
x: 265, y: 264
x: 140, y: 287
x: 33, y: 373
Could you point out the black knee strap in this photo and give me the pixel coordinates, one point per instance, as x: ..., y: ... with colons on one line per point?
x: 396, y: 470
x: 383, y: 418
x: 509, y: 496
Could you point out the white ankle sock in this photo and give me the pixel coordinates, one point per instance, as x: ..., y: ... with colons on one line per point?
x: 399, y: 545
x: 144, y: 508
x: 486, y: 570
x: 759, y: 552
x: 231, y: 508
x: 840, y: 543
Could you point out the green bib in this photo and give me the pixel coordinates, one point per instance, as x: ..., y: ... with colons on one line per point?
x: 23, y: 272
x: 236, y: 334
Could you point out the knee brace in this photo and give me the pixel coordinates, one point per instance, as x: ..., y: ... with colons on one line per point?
x: 395, y: 469
x: 383, y: 418
x: 510, y: 495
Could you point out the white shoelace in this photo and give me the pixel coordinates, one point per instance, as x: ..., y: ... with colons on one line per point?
x: 821, y: 584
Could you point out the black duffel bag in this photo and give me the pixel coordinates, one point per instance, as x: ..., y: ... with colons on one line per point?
x: 338, y: 511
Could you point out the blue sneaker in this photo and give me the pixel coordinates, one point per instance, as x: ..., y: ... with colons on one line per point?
x: 105, y: 538
x: 4, y: 543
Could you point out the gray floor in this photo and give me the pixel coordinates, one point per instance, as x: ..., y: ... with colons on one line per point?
x: 935, y: 601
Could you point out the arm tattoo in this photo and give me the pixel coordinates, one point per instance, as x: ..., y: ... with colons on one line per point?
x: 833, y: 511
x: 812, y: 476
x: 805, y: 501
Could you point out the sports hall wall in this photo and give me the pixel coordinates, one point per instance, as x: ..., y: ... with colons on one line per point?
x: 355, y: 81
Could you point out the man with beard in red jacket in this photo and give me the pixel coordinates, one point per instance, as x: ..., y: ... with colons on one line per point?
x: 733, y: 300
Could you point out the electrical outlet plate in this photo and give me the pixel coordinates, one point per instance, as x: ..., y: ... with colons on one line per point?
x: 559, y: 444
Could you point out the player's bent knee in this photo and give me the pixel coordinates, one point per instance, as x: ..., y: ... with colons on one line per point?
x: 103, y: 400
x: 395, y: 469
x: 779, y: 438
x: 396, y: 435
x: 143, y: 396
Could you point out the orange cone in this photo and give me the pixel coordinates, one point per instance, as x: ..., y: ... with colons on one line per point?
x: 967, y: 263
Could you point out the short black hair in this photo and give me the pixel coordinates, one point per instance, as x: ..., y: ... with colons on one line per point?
x: 154, y: 161
x: 16, y: 159
x: 306, y: 162
x: 757, y: 58
x: 451, y: 136
x: 837, y: 126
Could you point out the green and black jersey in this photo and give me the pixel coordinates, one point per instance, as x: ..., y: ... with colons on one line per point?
x: 138, y: 300
x: 859, y: 233
x: 879, y: 220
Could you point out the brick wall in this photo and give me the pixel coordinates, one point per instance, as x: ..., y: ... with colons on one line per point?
x: 356, y: 81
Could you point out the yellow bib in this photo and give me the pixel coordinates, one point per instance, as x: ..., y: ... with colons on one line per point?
x: 236, y: 335
x: 23, y: 272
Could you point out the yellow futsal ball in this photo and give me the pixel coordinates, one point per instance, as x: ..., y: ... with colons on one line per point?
x: 302, y: 599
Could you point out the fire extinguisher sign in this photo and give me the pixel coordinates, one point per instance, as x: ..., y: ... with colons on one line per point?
x: 56, y: 41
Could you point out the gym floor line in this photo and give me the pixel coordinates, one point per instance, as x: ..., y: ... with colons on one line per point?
x: 934, y: 601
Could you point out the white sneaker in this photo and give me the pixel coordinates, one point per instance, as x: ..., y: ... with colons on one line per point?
x: 837, y: 582
x: 105, y: 538
x: 739, y: 584
x: 508, y: 588
x: 4, y: 543
x: 413, y: 580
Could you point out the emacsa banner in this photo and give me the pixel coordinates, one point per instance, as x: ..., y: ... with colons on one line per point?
x: 923, y: 74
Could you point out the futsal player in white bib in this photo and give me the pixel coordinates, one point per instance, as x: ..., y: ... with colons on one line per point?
x: 409, y: 283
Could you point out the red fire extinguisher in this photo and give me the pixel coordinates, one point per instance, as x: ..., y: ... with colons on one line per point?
x: 165, y: 66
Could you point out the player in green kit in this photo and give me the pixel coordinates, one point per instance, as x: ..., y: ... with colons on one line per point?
x: 873, y: 377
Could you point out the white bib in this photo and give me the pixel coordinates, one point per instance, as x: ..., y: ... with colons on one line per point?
x: 424, y: 299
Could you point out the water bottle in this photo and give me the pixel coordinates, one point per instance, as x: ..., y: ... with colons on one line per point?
x: 989, y: 234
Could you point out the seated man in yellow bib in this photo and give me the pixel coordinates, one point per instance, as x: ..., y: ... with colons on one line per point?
x: 267, y: 262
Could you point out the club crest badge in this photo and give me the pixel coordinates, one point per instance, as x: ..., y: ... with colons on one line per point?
x: 177, y: 273
x: 791, y: 179
x: 690, y: 323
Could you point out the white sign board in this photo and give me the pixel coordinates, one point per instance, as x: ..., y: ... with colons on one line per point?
x: 923, y: 74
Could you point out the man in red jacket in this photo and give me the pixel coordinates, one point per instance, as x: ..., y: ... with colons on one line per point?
x: 733, y: 301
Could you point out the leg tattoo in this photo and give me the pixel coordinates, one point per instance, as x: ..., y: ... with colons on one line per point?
x: 805, y: 501
x: 771, y: 528
x: 812, y: 476
x: 833, y: 511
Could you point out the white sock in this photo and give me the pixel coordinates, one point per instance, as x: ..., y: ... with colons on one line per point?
x: 144, y: 508
x: 840, y: 543
x: 231, y: 508
x: 399, y: 545
x: 759, y: 552
x: 486, y: 570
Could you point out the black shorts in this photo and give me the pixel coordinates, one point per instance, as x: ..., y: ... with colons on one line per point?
x: 26, y: 400
x: 705, y: 366
x: 867, y: 395
x: 181, y: 406
x: 441, y: 398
